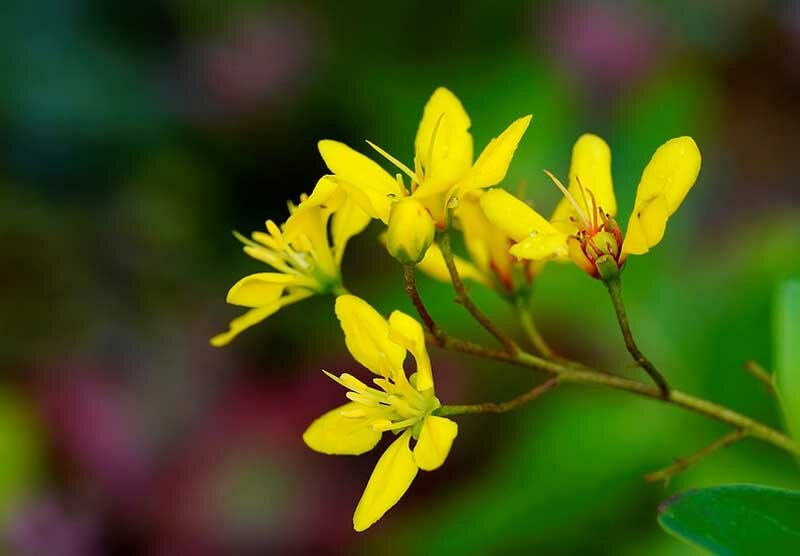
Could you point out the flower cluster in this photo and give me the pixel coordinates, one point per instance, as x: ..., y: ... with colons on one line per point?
x: 506, y: 242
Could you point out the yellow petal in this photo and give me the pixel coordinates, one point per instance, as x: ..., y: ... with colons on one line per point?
x: 366, y: 334
x: 487, y: 244
x: 370, y: 185
x: 310, y: 226
x: 434, y: 266
x: 671, y: 172
x: 263, y: 288
x: 338, y: 435
x: 327, y: 193
x: 541, y: 247
x: 435, y: 439
x: 665, y: 182
x: 514, y: 217
x: 443, y: 144
x: 390, y: 479
x: 254, y: 316
x: 349, y: 220
x: 591, y: 164
x: 646, y: 227
x: 492, y: 165
x: 407, y: 332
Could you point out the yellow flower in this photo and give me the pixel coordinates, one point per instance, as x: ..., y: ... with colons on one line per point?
x: 399, y: 404
x: 490, y: 262
x: 304, y: 260
x: 582, y: 227
x: 443, y: 164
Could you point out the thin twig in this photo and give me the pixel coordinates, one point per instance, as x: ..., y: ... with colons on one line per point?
x: 529, y: 327
x: 465, y: 300
x: 502, y: 407
x: 410, y: 278
x: 614, y: 287
x: 682, y: 464
x: 587, y: 375
x: 761, y: 374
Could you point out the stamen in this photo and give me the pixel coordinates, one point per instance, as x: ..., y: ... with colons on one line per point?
x: 266, y: 240
x: 594, y: 208
x: 362, y: 399
x: 270, y: 258
x: 583, y: 191
x: 405, y: 169
x: 245, y: 240
x: 570, y: 198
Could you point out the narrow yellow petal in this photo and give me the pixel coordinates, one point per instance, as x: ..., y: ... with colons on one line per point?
x: 671, y: 172
x: 443, y: 144
x: 349, y: 220
x: 327, y: 192
x: 366, y: 334
x: 369, y: 184
x: 393, y: 474
x: 590, y: 170
x: 254, y: 316
x: 309, y: 225
x: 407, y: 332
x: 435, y: 439
x: 335, y: 434
x: 514, y: 217
x: 263, y: 288
x: 646, y: 226
x: 665, y: 182
x: 492, y: 165
x: 542, y: 247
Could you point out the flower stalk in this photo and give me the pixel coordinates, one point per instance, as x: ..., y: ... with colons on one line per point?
x: 614, y: 286
x: 443, y: 240
x: 410, y: 279
x: 531, y: 331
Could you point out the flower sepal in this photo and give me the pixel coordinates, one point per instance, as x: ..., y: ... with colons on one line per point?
x: 608, y: 268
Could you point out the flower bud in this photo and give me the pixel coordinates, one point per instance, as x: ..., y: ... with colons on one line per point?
x: 411, y: 231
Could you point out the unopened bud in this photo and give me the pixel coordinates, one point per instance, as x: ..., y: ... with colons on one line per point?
x: 411, y: 231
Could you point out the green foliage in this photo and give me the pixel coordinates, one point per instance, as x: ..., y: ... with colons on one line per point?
x: 787, y: 352
x: 736, y: 519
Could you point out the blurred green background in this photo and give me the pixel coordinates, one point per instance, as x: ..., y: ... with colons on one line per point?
x: 136, y: 135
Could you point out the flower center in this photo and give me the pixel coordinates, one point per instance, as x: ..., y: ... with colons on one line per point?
x: 396, y: 405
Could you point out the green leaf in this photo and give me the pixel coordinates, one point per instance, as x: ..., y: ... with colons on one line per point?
x: 736, y: 519
x: 787, y: 352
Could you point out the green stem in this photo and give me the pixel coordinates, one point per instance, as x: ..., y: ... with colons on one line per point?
x: 502, y: 407
x: 676, y: 398
x: 529, y: 327
x: 464, y: 299
x: 614, y: 287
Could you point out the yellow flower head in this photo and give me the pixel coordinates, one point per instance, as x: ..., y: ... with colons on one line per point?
x: 305, y: 261
x: 443, y: 163
x: 398, y: 404
x: 582, y: 227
